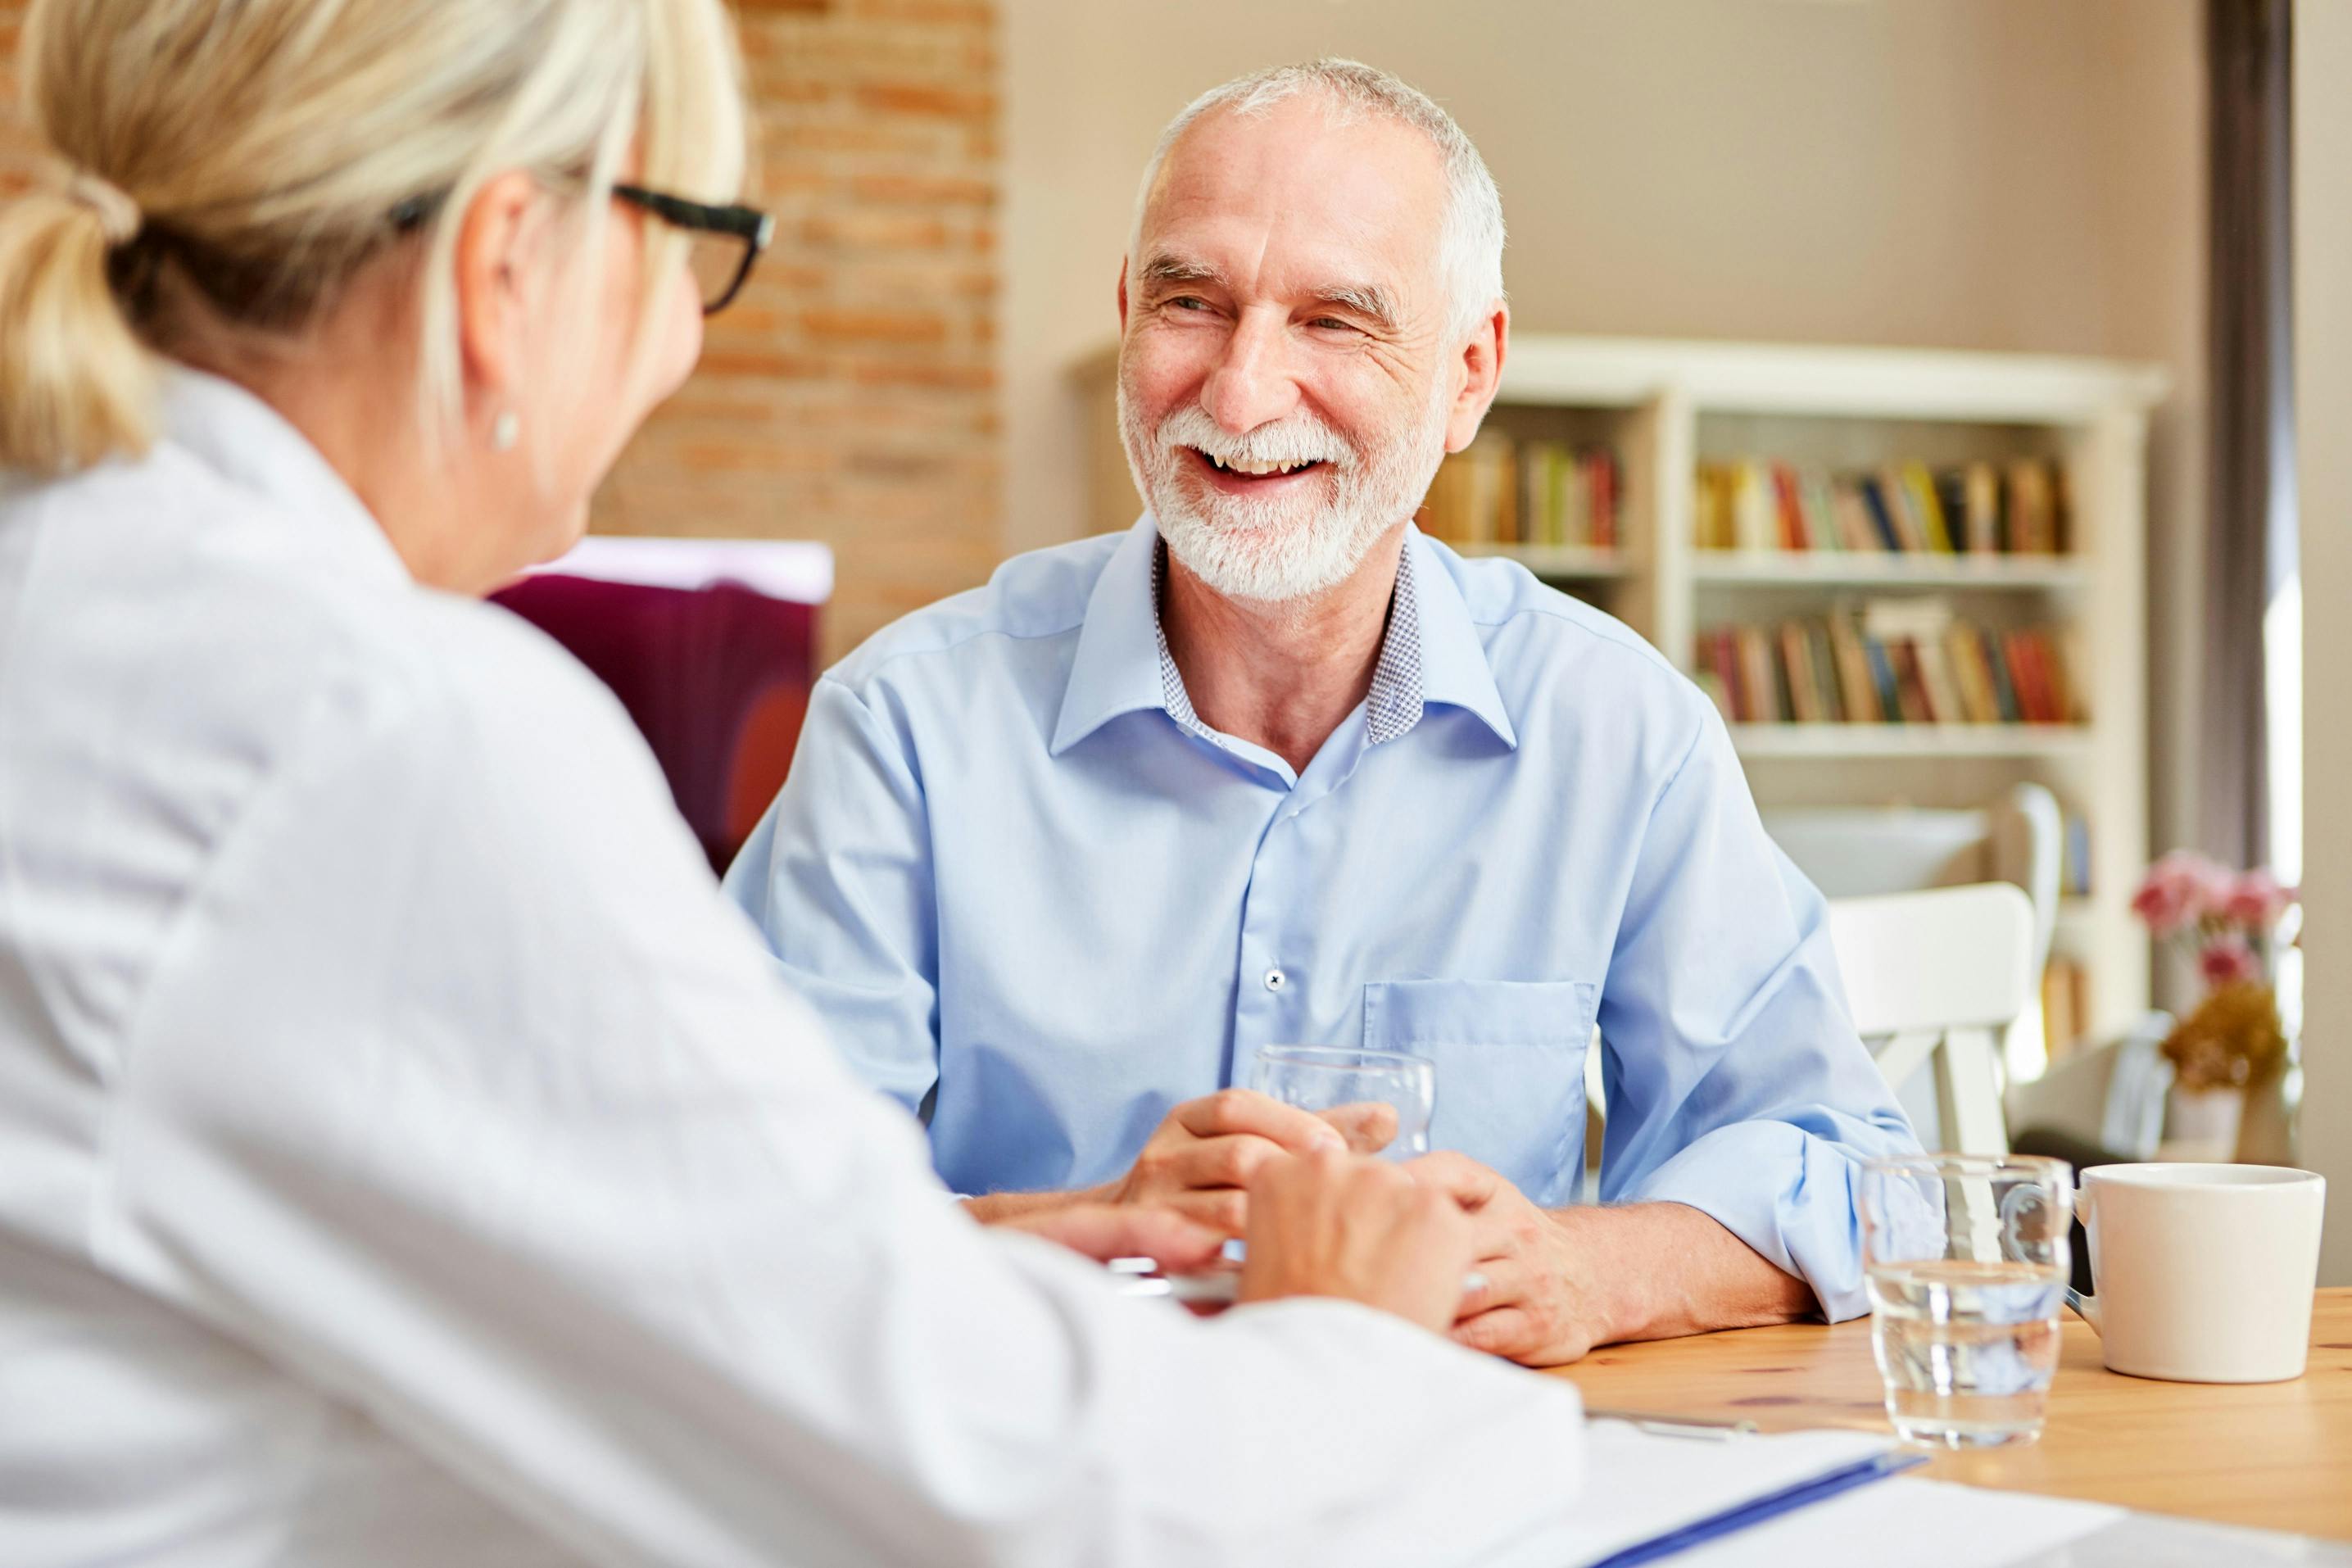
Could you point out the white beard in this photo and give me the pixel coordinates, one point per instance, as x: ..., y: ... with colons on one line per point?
x: 1281, y: 549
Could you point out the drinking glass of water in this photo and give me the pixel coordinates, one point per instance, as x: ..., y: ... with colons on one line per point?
x: 1967, y: 1263
x: 1331, y: 1078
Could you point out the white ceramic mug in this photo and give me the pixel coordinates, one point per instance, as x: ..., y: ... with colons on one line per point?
x: 2205, y: 1273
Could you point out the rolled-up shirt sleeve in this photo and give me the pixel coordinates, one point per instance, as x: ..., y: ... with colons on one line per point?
x: 1736, y: 1082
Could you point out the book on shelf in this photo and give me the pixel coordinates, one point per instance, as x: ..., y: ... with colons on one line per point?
x: 2075, y: 864
x: 1904, y: 507
x: 1498, y: 491
x: 2065, y: 1007
x: 1898, y: 661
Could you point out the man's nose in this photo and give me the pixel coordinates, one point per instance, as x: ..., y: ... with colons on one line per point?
x: 1253, y: 384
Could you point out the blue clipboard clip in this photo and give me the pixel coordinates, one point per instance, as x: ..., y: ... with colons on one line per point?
x: 1756, y: 1510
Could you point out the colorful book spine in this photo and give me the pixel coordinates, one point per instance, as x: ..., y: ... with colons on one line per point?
x: 1889, y: 662
x: 2014, y: 507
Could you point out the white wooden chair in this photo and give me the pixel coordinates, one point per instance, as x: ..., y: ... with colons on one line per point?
x: 1934, y: 978
x: 1851, y: 852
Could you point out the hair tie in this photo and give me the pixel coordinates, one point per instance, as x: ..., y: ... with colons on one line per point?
x: 118, y: 214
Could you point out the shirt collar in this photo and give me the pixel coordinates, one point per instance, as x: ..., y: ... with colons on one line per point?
x: 250, y: 443
x: 1116, y: 666
x: 1453, y: 665
x: 1431, y: 652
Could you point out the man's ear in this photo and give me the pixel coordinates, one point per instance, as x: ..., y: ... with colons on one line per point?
x: 1481, y: 368
x: 1122, y: 296
x: 492, y: 255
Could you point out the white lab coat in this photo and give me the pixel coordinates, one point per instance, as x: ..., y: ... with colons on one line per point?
x: 407, y: 1156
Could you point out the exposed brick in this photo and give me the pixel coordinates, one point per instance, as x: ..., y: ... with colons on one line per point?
x: 866, y: 230
x: 875, y: 326
x: 766, y: 362
x: 924, y: 191
x: 938, y: 13
x: 852, y: 137
x: 915, y: 97
x: 950, y: 377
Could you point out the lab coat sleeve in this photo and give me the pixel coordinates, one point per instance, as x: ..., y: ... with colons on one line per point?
x: 461, y: 1092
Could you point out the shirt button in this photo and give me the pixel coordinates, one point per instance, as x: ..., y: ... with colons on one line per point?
x: 1276, y: 979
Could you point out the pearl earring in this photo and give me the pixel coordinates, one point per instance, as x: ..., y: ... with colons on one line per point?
x: 505, y: 431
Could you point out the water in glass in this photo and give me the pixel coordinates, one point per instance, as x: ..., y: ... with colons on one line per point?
x: 1966, y: 1261
x: 1327, y: 1077
x: 1967, y: 1349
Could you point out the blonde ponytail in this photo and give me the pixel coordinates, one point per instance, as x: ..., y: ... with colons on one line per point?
x: 235, y: 163
x: 76, y: 383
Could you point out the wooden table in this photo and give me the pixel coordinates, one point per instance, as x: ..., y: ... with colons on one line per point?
x: 2271, y: 1455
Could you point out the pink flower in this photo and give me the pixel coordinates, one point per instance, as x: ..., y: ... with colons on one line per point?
x: 2180, y: 890
x: 2228, y: 961
x: 2256, y: 900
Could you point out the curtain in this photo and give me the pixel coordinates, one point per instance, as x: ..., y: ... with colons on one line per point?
x: 2251, y: 537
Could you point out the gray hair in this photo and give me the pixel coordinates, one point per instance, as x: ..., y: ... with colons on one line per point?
x: 1470, y: 239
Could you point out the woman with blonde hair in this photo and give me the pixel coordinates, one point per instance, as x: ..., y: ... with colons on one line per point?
x: 405, y: 1156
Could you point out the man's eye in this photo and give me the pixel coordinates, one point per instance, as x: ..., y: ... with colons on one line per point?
x: 1187, y: 302
x: 1333, y: 322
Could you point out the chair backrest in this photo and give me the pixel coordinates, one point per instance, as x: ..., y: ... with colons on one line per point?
x: 1850, y: 852
x: 2110, y: 1096
x: 711, y: 647
x: 1935, y: 976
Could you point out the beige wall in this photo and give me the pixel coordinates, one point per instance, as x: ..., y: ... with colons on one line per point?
x: 1968, y: 173
x: 2323, y: 348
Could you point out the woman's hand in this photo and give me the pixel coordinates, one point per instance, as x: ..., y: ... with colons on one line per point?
x: 1358, y: 1229
x: 1105, y: 1231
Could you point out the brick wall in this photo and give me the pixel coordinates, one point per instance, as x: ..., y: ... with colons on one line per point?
x: 850, y: 393
x: 12, y: 131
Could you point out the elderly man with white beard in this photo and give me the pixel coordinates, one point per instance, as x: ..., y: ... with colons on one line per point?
x: 1058, y: 856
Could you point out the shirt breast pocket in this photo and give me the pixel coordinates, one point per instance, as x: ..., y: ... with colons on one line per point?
x: 1510, y: 1070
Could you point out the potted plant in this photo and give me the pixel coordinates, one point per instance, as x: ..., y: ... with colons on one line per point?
x: 2230, y: 1055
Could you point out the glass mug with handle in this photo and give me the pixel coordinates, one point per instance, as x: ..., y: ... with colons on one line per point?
x: 1381, y: 1100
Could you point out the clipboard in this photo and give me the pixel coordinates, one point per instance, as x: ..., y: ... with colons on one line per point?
x: 1757, y: 1510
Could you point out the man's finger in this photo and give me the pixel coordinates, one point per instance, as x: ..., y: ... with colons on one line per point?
x: 1223, y: 1210
x: 1506, y: 1331
x: 1368, y: 1127
x: 1466, y: 1181
x: 1226, y: 1162
x: 1501, y: 1282
x: 1494, y: 1237
x: 1104, y: 1231
x: 1231, y: 1111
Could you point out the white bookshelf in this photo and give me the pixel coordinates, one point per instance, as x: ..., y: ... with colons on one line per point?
x: 1925, y: 740
x: 1834, y: 569
x: 1666, y: 406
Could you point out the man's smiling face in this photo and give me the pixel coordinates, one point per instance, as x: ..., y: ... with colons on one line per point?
x: 1283, y: 392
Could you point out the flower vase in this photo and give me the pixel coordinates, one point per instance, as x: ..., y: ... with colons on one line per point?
x: 2202, y: 1124
x: 2267, y: 1129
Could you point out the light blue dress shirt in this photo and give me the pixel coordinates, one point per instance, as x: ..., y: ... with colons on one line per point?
x: 1040, y: 903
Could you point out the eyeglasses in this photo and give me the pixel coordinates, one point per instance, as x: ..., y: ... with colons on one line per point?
x: 723, y: 242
